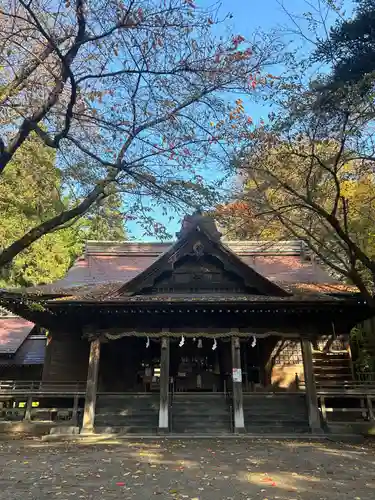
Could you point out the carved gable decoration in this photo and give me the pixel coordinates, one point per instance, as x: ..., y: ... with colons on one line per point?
x: 199, y: 274
x: 199, y: 263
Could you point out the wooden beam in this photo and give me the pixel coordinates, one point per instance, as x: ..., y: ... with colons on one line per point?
x: 239, y: 424
x: 311, y: 395
x: 163, y: 426
x: 91, y: 388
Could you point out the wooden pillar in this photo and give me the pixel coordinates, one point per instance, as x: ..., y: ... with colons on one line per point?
x: 28, y: 409
x: 75, y: 409
x: 91, y: 388
x: 239, y: 424
x: 311, y: 395
x: 164, y: 386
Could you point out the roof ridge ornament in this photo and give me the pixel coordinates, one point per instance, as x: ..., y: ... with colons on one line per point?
x: 199, y: 221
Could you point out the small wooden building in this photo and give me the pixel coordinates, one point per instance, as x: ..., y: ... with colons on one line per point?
x: 200, y: 332
x: 22, y: 348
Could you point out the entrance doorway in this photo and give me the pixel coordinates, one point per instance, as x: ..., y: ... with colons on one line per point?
x: 130, y: 364
x: 195, y: 366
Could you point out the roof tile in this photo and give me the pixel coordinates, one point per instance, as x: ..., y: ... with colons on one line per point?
x: 13, y: 332
x: 118, y: 263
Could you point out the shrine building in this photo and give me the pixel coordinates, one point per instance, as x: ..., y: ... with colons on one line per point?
x: 198, y: 336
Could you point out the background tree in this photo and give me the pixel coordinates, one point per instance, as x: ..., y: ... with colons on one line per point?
x: 27, y: 198
x: 350, y: 49
x: 125, y: 93
x: 311, y: 169
x: 105, y: 221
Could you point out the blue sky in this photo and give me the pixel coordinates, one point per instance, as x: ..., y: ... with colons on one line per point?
x: 248, y: 17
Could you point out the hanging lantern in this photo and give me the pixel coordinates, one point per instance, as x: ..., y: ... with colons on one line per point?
x: 147, y: 343
x: 254, y: 342
x: 214, y: 345
x: 182, y: 341
x: 199, y: 343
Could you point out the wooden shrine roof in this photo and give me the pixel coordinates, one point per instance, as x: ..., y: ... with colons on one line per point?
x: 105, y: 266
x: 298, y: 291
x: 13, y: 332
x: 198, y: 267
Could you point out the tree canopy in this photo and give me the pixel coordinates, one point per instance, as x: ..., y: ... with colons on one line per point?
x: 308, y: 172
x: 350, y: 48
x: 124, y: 93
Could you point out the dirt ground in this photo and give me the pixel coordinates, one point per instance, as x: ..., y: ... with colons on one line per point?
x: 186, y: 469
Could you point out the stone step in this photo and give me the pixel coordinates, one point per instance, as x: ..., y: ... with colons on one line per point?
x: 135, y: 400
x: 277, y: 429
x: 335, y: 360
x: 186, y: 422
x: 127, y: 402
x: 327, y: 355
x: 127, y: 411
x: 143, y: 415
x: 201, y: 432
x: 200, y: 408
x: 274, y: 409
x: 177, y: 419
x: 202, y: 413
x: 128, y: 406
x: 333, y: 372
x: 279, y: 397
x: 200, y: 402
x: 110, y: 411
x: 197, y: 416
x: 268, y: 419
x: 149, y: 428
x: 334, y: 380
x: 117, y: 419
x: 125, y: 429
x: 196, y: 425
x: 176, y: 401
x: 277, y: 421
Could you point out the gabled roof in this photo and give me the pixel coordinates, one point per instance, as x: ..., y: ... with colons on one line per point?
x: 105, y: 263
x: 120, y: 270
x: 109, y: 265
x: 198, y: 242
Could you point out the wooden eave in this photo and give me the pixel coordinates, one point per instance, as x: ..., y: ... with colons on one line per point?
x: 78, y: 314
x: 255, y: 302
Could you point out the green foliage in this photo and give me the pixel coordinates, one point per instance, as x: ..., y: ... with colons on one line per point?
x: 362, y: 352
x: 105, y: 221
x: 30, y: 193
x: 350, y: 48
x: 35, y: 306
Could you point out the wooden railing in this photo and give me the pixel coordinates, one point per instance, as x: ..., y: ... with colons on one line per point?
x: 341, y: 413
x: 38, y: 386
x: 43, y: 414
x: 365, y: 383
x: 366, y: 377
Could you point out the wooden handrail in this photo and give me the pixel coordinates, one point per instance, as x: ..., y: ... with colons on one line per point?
x: 28, y: 386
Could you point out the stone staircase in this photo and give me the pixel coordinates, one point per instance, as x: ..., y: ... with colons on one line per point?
x: 127, y: 413
x: 200, y: 413
x: 275, y: 413
x: 332, y: 369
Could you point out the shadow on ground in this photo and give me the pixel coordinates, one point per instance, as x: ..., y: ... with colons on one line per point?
x: 191, y: 469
